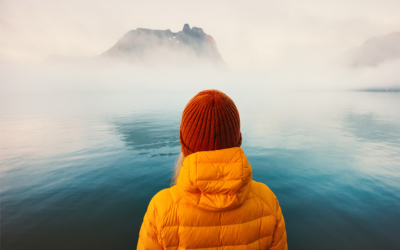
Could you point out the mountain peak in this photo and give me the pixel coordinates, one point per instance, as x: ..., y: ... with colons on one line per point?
x: 375, y: 51
x: 165, y: 46
x: 186, y: 28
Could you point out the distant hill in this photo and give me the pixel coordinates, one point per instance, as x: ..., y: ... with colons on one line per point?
x: 375, y: 51
x: 165, y: 46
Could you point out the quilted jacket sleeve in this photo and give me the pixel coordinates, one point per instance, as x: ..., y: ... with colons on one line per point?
x: 148, y: 235
x: 279, y: 241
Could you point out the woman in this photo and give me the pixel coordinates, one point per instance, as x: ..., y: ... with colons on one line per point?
x: 214, y: 203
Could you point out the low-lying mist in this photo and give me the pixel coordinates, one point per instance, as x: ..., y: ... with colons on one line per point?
x: 107, y: 76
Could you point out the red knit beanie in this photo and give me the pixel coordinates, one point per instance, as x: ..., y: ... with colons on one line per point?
x: 210, y: 121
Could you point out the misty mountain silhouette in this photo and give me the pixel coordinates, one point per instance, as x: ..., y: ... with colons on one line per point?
x: 375, y: 51
x: 164, y: 46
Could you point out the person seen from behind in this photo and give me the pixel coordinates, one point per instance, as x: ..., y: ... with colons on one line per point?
x: 214, y: 203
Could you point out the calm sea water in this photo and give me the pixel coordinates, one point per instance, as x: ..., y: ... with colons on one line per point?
x: 77, y: 172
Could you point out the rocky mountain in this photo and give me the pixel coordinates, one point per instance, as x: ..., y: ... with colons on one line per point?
x: 375, y: 51
x: 165, y: 46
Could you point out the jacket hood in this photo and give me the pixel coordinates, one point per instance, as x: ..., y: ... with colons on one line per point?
x: 216, y: 180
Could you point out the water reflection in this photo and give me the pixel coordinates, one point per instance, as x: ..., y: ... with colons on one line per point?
x: 370, y: 127
x: 152, y: 134
x: 86, y: 176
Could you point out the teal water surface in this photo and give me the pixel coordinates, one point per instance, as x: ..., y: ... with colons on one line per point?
x: 77, y: 172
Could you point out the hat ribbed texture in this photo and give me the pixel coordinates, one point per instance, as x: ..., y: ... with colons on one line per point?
x: 210, y: 121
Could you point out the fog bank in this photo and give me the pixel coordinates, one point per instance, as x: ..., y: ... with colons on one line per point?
x: 285, y: 45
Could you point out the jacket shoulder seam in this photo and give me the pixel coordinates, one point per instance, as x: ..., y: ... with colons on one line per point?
x: 172, y: 206
x: 266, y: 203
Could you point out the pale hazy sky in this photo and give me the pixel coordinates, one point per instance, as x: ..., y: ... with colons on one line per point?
x: 248, y: 33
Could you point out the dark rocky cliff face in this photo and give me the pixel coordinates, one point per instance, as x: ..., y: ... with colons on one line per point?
x: 164, y: 46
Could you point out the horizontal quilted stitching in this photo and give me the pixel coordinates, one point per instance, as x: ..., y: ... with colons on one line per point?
x: 226, y: 246
x: 223, y: 225
x: 225, y: 210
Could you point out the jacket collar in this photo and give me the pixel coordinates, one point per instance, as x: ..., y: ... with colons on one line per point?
x: 216, y: 180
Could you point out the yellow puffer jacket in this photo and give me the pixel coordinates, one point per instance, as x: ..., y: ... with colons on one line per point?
x: 215, y: 205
